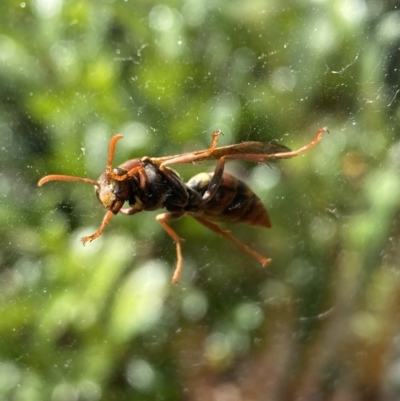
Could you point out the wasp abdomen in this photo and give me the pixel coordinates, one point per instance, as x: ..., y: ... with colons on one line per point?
x: 233, y: 202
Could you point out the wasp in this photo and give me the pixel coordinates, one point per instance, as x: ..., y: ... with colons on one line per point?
x: 150, y: 184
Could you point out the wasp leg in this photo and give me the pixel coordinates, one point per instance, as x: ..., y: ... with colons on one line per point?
x: 97, y: 234
x: 128, y: 174
x: 215, y: 180
x: 163, y: 220
x: 214, y: 227
x: 257, y: 158
x: 128, y: 211
x: 191, y: 157
x: 303, y: 149
x: 263, y: 158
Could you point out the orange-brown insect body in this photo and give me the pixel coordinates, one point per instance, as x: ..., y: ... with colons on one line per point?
x: 148, y: 184
x: 234, y: 201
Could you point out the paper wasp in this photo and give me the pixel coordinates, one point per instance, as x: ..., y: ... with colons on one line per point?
x: 150, y: 184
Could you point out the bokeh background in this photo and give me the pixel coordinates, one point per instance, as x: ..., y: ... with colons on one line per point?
x: 103, y: 322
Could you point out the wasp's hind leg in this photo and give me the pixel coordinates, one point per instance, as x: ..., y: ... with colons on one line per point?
x: 214, y: 227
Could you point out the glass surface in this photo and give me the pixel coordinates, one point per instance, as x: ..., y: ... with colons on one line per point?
x: 104, y: 322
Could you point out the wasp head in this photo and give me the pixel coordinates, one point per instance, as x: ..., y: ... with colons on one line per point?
x: 110, y: 192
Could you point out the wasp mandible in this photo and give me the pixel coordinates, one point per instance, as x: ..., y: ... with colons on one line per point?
x: 150, y: 184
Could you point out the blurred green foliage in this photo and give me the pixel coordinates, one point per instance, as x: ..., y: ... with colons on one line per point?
x: 103, y: 322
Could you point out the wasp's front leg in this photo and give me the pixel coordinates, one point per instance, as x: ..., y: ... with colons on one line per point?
x: 97, y: 234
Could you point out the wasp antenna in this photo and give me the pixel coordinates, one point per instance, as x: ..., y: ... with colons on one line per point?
x: 56, y: 177
x: 111, y: 150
